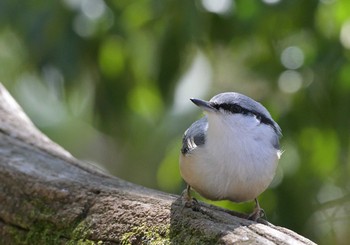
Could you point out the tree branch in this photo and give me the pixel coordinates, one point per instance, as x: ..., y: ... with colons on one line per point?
x: 49, y: 197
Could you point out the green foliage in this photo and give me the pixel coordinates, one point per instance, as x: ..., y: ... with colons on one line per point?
x: 110, y: 81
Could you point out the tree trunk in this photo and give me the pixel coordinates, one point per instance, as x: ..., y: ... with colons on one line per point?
x: 49, y: 197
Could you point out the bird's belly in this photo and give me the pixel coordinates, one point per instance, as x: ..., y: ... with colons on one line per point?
x: 238, y: 181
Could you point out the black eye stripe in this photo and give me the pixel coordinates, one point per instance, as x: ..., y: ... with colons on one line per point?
x: 237, y: 109
x: 233, y: 108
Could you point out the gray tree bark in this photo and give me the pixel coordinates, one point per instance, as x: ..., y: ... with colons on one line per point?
x: 49, y: 197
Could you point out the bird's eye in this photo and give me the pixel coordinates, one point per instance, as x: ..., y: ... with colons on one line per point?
x: 237, y: 109
x: 232, y: 108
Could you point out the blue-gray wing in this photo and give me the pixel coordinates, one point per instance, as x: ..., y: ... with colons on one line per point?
x: 194, y: 135
x: 276, y: 141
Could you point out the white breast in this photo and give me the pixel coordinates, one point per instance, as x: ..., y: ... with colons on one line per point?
x: 237, y: 161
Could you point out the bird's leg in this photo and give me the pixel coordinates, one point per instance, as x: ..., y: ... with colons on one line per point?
x: 186, y: 194
x: 257, y: 213
x: 190, y: 202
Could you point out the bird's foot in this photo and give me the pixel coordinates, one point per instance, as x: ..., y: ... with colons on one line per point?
x: 190, y: 202
x: 257, y: 213
x: 193, y: 204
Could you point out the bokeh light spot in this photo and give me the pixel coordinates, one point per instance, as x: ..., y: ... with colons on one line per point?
x: 194, y: 83
x: 329, y: 192
x: 345, y: 34
x: 292, y: 58
x: 111, y: 56
x: 93, y: 9
x: 217, y: 6
x: 146, y: 101
x: 290, y: 81
x: 83, y: 26
x: 271, y: 2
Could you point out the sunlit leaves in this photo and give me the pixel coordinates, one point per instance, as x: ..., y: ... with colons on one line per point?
x: 168, y: 174
x: 137, y: 14
x: 146, y: 101
x: 321, y: 148
x: 112, y: 56
x: 330, y: 16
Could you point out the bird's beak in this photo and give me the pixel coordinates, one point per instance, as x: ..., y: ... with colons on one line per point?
x: 205, y: 105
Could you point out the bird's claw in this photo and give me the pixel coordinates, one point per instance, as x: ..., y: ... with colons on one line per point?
x: 193, y: 204
x: 257, y: 213
x: 190, y: 202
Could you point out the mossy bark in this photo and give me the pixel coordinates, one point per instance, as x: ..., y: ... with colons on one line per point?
x: 49, y: 197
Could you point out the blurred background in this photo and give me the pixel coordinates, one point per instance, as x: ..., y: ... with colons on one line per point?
x: 111, y: 80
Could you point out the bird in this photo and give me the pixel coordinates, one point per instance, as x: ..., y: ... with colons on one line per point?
x: 232, y: 152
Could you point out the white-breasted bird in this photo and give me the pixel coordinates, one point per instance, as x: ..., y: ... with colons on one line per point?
x: 232, y: 152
